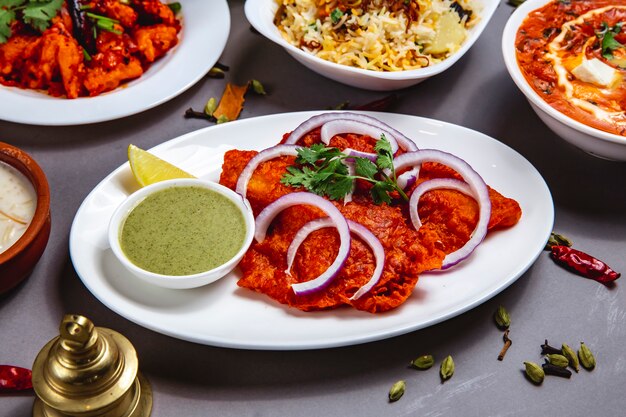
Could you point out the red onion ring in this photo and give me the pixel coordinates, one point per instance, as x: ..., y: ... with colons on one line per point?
x: 359, y: 230
x: 316, y: 121
x: 438, y: 183
x: 339, y: 126
x: 264, y: 155
x: 351, y: 172
x: 404, y: 181
x: 479, y: 190
x: 264, y: 219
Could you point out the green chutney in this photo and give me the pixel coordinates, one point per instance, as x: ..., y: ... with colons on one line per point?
x: 183, y: 231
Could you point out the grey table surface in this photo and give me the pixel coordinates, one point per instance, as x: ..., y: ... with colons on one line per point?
x: 196, y: 380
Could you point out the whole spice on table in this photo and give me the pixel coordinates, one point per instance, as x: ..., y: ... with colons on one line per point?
x: 501, y: 316
x: 571, y: 356
x: 446, y: 369
x: 14, y: 378
x: 507, y: 344
x: 397, y: 391
x: 583, y: 264
x: 534, y: 372
x: 556, y: 239
x: 557, y: 360
x: 546, y: 348
x: 587, y: 360
x: 550, y: 369
x: 423, y: 362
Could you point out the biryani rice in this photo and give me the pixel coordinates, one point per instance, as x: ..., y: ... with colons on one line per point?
x: 376, y: 39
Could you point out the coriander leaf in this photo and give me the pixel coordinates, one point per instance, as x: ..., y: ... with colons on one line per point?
x: 338, y: 189
x: 382, y: 145
x: 6, y: 17
x: 9, y: 4
x: 315, y: 153
x: 335, y: 16
x: 175, y: 7
x: 365, y: 168
x: 380, y: 192
x: 335, y: 165
x: 609, y: 44
x: 385, y: 155
x: 38, y: 13
x: 607, y: 34
x: 294, y: 177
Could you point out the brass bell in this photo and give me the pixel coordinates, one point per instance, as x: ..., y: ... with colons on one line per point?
x: 89, y: 371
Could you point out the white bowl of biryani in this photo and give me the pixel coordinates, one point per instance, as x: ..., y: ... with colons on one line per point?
x: 574, y: 78
x: 364, y: 44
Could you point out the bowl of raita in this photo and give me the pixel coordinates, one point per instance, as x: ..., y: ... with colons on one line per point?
x: 24, y: 215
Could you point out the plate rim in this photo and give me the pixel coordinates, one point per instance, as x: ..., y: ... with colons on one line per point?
x: 336, y: 341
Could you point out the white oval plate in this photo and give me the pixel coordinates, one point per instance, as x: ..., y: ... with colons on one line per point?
x: 223, y: 314
x: 205, y: 29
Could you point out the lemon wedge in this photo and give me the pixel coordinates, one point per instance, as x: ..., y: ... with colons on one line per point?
x: 149, y: 169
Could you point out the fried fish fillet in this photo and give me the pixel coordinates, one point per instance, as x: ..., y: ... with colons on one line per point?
x: 449, y: 218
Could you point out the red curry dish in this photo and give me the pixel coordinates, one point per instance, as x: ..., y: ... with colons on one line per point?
x: 90, y: 47
x: 573, y: 54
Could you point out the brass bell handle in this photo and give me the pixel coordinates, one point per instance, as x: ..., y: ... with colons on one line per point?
x: 76, y: 328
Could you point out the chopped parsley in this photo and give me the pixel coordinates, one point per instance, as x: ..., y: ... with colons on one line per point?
x: 324, y: 171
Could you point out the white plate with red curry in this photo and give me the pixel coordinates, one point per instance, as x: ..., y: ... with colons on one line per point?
x: 222, y: 314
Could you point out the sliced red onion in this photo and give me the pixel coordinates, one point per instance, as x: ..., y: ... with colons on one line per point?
x: 438, y: 183
x: 264, y: 155
x: 320, y: 119
x: 351, y: 172
x: 478, y: 188
x: 358, y: 154
x: 340, y: 126
x: 359, y: 230
x: 407, y: 179
x: 404, y: 181
x: 264, y: 219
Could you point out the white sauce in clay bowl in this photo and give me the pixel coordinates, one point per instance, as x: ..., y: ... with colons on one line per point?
x: 18, y: 202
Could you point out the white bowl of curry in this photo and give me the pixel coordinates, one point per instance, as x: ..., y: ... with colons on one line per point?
x: 569, y: 60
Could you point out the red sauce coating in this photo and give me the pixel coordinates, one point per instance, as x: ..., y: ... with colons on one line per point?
x: 532, y: 43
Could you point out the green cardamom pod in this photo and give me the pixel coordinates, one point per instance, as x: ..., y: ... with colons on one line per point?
x: 587, y: 359
x: 423, y: 362
x: 257, y: 87
x: 534, y: 372
x: 222, y: 119
x: 397, y: 391
x: 447, y: 368
x: 210, y: 106
x: 557, y: 360
x: 556, y: 239
x: 502, y: 318
x: 571, y: 356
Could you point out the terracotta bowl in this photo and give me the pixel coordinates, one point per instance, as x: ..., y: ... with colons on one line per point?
x: 17, y: 262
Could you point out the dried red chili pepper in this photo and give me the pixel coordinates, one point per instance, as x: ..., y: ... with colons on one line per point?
x: 14, y: 378
x: 583, y: 264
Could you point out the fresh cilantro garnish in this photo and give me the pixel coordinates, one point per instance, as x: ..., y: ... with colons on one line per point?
x: 324, y: 171
x: 609, y: 44
x: 175, y: 7
x: 36, y: 13
x: 335, y: 16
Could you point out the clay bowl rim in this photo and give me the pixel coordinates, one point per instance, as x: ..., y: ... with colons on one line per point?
x: 24, y: 163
